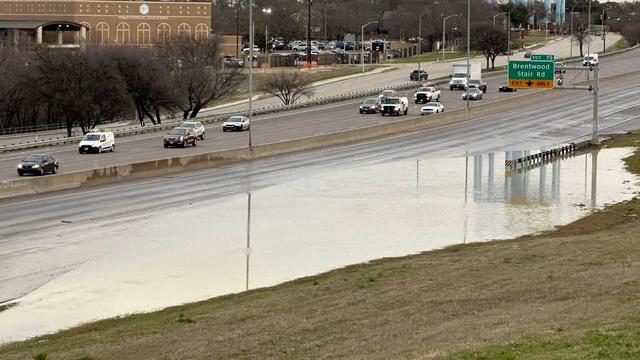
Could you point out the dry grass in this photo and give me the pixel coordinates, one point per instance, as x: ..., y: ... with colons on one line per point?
x: 572, y: 292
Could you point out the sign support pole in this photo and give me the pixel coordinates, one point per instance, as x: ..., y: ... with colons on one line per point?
x: 596, y: 89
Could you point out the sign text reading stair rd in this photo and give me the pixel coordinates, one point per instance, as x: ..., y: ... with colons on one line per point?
x: 531, y: 74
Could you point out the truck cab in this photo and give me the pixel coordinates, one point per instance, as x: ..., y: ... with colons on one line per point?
x: 394, y: 105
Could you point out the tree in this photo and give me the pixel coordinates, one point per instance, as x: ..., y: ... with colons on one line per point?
x: 197, y: 72
x: 491, y: 42
x: 580, y: 35
x: 519, y: 13
x: 146, y: 80
x: 288, y: 86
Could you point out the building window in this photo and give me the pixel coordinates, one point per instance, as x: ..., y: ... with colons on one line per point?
x: 164, y: 31
x: 123, y: 34
x: 89, y: 34
x: 202, y: 31
x: 102, y: 33
x: 144, y: 34
x: 184, y: 30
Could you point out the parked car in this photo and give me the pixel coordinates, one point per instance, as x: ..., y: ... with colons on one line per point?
x: 314, y: 56
x: 527, y: 54
x: 369, y: 106
x: 232, y: 61
x: 394, y: 54
x: 505, y: 53
x: 97, y: 141
x: 478, y: 84
x: 38, y: 164
x: 426, y: 94
x: 431, y: 108
x: 196, y: 126
x: 236, y: 122
x: 504, y: 87
x: 247, y: 50
x: 180, y: 137
x: 418, y: 75
x: 395, y: 106
x: 474, y: 94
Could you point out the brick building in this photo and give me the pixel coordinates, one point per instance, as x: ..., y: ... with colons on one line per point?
x: 75, y: 23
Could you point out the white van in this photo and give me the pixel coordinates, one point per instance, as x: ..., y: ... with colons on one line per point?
x: 590, y: 60
x: 97, y: 141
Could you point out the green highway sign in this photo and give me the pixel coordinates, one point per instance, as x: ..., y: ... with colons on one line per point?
x: 531, y: 74
x: 539, y: 57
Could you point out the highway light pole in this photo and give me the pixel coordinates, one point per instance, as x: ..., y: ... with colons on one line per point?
x: 266, y: 11
x: 309, y: 33
x: 571, y: 36
x: 589, y: 31
x: 604, y: 35
x: 251, y: 29
x: 468, y: 48
x: 444, y: 30
x: 362, y: 43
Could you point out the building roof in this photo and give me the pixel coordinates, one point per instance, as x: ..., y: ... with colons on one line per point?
x: 33, y: 24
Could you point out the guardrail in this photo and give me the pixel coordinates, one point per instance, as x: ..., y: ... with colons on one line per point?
x: 210, y: 119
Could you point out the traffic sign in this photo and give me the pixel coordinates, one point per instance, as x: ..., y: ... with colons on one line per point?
x: 531, y: 74
x: 540, y: 57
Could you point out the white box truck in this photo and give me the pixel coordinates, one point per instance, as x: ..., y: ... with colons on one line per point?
x: 459, y: 74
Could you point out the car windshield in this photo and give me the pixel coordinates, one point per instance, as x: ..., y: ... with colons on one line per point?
x: 370, y: 101
x: 34, y: 158
x: 178, y: 131
x: 473, y: 91
x: 235, y: 119
x: 91, y: 137
x: 188, y: 125
x: 426, y: 89
x: 392, y: 101
x: 431, y: 104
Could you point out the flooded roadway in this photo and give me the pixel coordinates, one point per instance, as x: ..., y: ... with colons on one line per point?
x: 279, y: 231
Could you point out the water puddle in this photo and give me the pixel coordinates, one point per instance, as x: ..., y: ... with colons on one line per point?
x: 312, y: 225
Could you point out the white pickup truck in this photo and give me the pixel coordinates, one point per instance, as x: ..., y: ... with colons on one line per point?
x: 395, y: 105
x: 426, y: 94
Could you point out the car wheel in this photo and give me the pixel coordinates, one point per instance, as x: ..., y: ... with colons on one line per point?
x: 100, y: 149
x: 41, y: 172
x: 54, y: 170
x: 166, y: 146
x: 194, y: 141
x: 224, y: 130
x: 202, y: 136
x: 451, y: 88
x: 20, y: 173
x: 184, y: 144
x: 80, y: 151
x: 113, y: 147
x: 405, y: 111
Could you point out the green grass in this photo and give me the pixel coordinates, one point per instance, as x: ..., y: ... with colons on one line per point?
x: 618, y: 45
x: 598, y: 344
x: 434, y: 56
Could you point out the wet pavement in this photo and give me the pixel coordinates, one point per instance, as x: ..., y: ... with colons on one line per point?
x: 305, y: 226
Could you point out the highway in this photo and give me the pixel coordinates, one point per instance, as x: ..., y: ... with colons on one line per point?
x: 302, y: 123
x: 33, y: 228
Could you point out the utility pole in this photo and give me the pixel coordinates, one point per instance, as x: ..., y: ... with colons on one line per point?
x: 468, y: 48
x: 444, y: 30
x: 596, y: 90
x: 362, y: 43
x: 604, y: 35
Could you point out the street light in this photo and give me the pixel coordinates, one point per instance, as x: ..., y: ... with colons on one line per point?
x: 604, y: 35
x: 251, y: 30
x: 362, y: 43
x: 468, y: 48
x: 309, y: 34
x: 496, y: 15
x: 266, y: 11
x: 420, y: 32
x: 444, y: 30
x: 571, y: 36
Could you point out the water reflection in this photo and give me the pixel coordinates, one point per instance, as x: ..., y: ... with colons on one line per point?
x: 307, y: 226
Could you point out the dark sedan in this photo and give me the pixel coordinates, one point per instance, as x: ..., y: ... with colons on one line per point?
x: 504, y: 87
x: 369, y: 106
x: 180, y: 137
x: 39, y: 164
x: 418, y: 75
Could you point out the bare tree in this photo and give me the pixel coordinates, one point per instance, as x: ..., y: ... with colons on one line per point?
x: 580, y: 36
x: 491, y: 42
x: 288, y: 86
x: 147, y: 82
x: 197, y: 71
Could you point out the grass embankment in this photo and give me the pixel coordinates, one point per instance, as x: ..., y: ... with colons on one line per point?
x: 536, y: 37
x: 572, y: 293
x: 618, y: 45
x: 434, y: 56
x: 315, y: 74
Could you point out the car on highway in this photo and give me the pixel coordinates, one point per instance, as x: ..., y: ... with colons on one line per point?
x: 477, y: 83
x: 236, y: 123
x: 395, y: 105
x: 505, y: 53
x: 97, y: 141
x: 474, y: 94
x: 369, y: 106
x: 527, y: 54
x: 385, y: 94
x: 427, y: 93
x: 418, y: 75
x: 431, y: 108
x: 504, y: 87
x: 196, y: 126
x: 180, y: 137
x: 38, y: 164
x: 590, y: 60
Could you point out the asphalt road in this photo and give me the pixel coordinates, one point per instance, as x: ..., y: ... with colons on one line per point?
x: 289, y: 125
